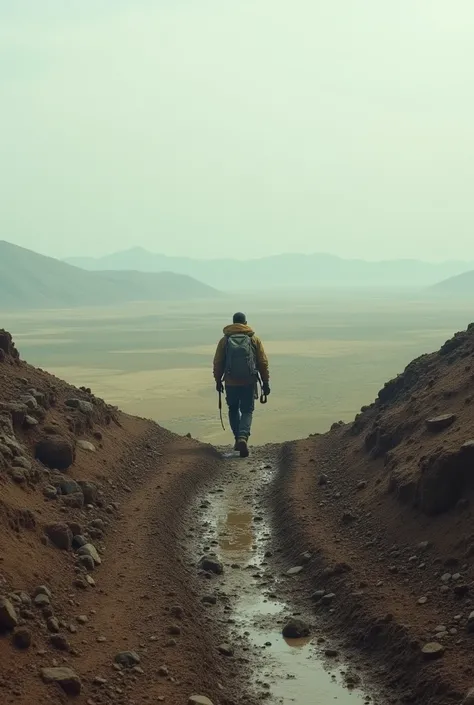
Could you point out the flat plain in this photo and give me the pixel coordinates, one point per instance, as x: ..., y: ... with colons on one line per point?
x: 329, y: 354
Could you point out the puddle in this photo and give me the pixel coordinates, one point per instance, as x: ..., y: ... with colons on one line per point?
x: 286, y: 670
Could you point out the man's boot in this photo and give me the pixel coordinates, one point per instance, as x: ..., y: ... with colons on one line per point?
x: 242, y: 447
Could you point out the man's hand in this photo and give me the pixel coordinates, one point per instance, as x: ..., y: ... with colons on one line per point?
x: 266, y: 388
x: 219, y: 387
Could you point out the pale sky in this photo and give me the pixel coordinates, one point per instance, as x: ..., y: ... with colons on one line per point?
x: 218, y: 128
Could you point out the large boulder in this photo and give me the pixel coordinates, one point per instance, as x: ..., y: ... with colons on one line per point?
x: 56, y: 452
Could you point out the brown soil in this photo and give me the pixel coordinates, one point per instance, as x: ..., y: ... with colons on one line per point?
x: 363, y: 497
x: 360, y: 499
x: 144, y: 586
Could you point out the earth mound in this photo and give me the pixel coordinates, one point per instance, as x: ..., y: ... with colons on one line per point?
x: 391, y: 496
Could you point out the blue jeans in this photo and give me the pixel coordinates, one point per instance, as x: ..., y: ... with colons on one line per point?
x: 241, y: 403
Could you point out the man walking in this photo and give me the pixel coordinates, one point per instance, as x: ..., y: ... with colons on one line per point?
x: 239, y: 360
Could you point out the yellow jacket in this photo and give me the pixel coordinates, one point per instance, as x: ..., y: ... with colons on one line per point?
x: 219, y: 357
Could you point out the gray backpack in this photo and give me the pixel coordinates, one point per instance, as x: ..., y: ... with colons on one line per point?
x: 240, y: 357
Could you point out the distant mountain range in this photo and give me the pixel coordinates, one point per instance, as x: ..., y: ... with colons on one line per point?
x: 461, y: 285
x: 30, y: 280
x: 288, y: 270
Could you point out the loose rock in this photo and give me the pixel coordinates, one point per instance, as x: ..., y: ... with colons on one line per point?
x: 8, y: 617
x: 64, y: 677
x: 60, y: 642
x: 432, y: 651
x: 199, y: 700
x: 211, y: 565
x: 127, y: 659
x: 90, y: 550
x: 439, y: 423
x: 295, y: 629
x: 60, y: 536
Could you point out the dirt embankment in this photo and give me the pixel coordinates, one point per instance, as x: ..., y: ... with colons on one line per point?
x: 93, y: 583
x: 384, y: 505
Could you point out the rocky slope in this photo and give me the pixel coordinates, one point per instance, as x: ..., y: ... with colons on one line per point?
x: 96, y: 599
x: 384, y: 506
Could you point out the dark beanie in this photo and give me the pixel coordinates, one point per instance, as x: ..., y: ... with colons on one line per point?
x: 239, y: 318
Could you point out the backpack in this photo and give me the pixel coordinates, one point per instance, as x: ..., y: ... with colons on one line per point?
x: 240, y: 357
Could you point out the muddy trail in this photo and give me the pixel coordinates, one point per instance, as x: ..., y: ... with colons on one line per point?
x: 278, y: 648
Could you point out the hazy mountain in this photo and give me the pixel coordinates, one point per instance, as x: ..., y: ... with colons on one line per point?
x: 30, y: 280
x: 289, y: 270
x: 460, y: 285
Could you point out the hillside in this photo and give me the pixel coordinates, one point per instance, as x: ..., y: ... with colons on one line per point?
x: 92, y: 502
x: 30, y: 280
x: 287, y: 270
x: 386, y: 505
x: 458, y: 286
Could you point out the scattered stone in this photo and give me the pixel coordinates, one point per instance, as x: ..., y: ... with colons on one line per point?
x: 22, y: 638
x: 199, y: 700
x: 55, y: 452
x: 41, y: 601
x: 470, y: 623
x: 432, y: 651
x: 306, y: 557
x: 439, y: 423
x: 328, y: 598
x: 318, y: 595
x: 19, y: 476
x: 53, y: 625
x: 211, y: 565
x: 446, y: 577
x: 295, y: 629
x: 163, y: 671
x: 30, y: 422
x: 43, y: 590
x: 362, y: 485
x: 59, y: 642
x: 127, y: 659
x: 295, y: 571
x: 81, y: 583
x: 90, y: 491
x: 86, y: 445
x: 422, y: 600
x: 84, y: 406
x: 79, y: 541
x: 86, y: 562
x: 8, y: 617
x: 225, y: 650
x: 60, y: 536
x: 64, y: 677
x: 99, y: 681
x: 323, y: 480
x: 90, y: 580
x: 90, y: 550
x: 74, y: 501
x: 82, y: 619
x: 50, y: 492
x: 331, y: 653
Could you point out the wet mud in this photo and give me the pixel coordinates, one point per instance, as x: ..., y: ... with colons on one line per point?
x: 235, y: 530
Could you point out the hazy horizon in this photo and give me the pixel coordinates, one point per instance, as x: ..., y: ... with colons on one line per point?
x: 261, y: 127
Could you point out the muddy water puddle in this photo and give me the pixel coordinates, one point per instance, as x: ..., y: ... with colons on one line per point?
x: 236, y: 531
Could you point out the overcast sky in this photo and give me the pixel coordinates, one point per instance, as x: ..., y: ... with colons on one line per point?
x: 242, y: 127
